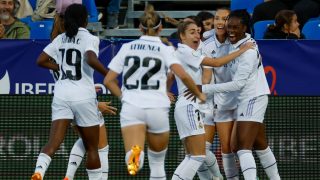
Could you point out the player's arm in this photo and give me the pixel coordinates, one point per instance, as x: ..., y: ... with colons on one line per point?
x: 188, y: 81
x: 207, y: 75
x: 45, y: 62
x: 94, y: 62
x: 110, y: 81
x: 217, y: 62
x: 170, y: 81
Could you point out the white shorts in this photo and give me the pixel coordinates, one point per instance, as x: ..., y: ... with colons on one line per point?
x: 253, y: 109
x: 83, y: 113
x: 208, y: 112
x: 189, y: 121
x: 224, y: 115
x: 156, y: 119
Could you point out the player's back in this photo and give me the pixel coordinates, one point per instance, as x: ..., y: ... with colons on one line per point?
x: 144, y: 64
x: 76, y: 76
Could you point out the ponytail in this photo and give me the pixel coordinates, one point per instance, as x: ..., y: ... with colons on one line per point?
x: 150, y: 21
x: 75, y: 16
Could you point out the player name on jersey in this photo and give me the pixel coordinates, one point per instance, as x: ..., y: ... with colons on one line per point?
x: 71, y: 40
x: 144, y: 47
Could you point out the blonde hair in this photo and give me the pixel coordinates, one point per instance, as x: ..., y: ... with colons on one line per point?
x: 150, y: 21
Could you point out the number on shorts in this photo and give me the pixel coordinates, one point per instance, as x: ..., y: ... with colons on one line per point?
x: 145, y: 78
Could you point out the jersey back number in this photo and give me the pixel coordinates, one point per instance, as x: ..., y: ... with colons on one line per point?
x: 68, y: 55
x: 145, y: 78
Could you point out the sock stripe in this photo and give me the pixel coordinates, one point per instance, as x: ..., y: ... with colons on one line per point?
x: 248, y: 169
x: 178, y: 176
x: 158, y: 177
x: 203, y: 170
x: 76, y: 155
x: 270, y: 165
x: 232, y: 176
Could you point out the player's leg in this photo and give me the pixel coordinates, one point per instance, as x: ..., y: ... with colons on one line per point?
x: 224, y: 123
x: 57, y: 133
x: 210, y: 168
x: 158, y: 139
x: 133, y: 130
x: 250, y: 116
x: 88, y: 121
x: 61, y: 118
x: 266, y: 156
x: 90, y: 137
x: 191, y: 131
x: 76, y: 155
x: 103, y: 151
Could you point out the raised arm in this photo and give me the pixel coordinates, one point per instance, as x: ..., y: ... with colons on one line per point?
x: 217, y: 62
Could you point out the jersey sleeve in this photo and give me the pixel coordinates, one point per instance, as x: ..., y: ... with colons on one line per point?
x: 191, y: 57
x: 117, y: 62
x: 93, y: 45
x: 51, y: 49
x: 247, y: 63
x: 170, y: 57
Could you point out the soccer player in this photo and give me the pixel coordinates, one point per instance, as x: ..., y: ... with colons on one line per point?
x: 250, y: 84
x: 187, y: 112
x: 217, y: 45
x: 78, y: 150
x: 74, y: 100
x: 145, y: 104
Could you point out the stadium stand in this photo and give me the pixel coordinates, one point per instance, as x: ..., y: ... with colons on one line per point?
x: 311, y: 29
x: 132, y: 14
x: 245, y: 4
x: 92, y: 10
x: 260, y: 28
x: 40, y: 29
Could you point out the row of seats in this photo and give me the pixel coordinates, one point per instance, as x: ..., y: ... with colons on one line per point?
x: 42, y: 29
x: 311, y: 29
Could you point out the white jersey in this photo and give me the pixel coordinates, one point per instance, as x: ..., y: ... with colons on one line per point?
x: 248, y: 77
x: 191, y: 63
x: 214, y: 49
x: 75, y: 82
x: 144, y: 64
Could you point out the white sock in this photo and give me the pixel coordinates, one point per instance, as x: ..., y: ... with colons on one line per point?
x: 94, y: 174
x: 248, y: 165
x: 211, y: 161
x: 181, y: 165
x: 141, y: 158
x: 103, y: 155
x: 269, y: 163
x: 75, y: 158
x: 156, y: 164
x: 230, y: 166
x: 42, y: 164
x: 203, y: 172
x: 189, y: 169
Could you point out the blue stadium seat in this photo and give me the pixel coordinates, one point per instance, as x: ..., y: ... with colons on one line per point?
x: 92, y: 10
x: 260, y: 28
x: 245, y: 4
x: 33, y: 4
x: 312, y: 29
x: 40, y: 29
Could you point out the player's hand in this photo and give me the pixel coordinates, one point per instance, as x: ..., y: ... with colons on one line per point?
x: 248, y: 45
x: 2, y: 29
x: 202, y: 97
x: 171, y: 97
x: 189, y: 95
x: 105, y: 108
